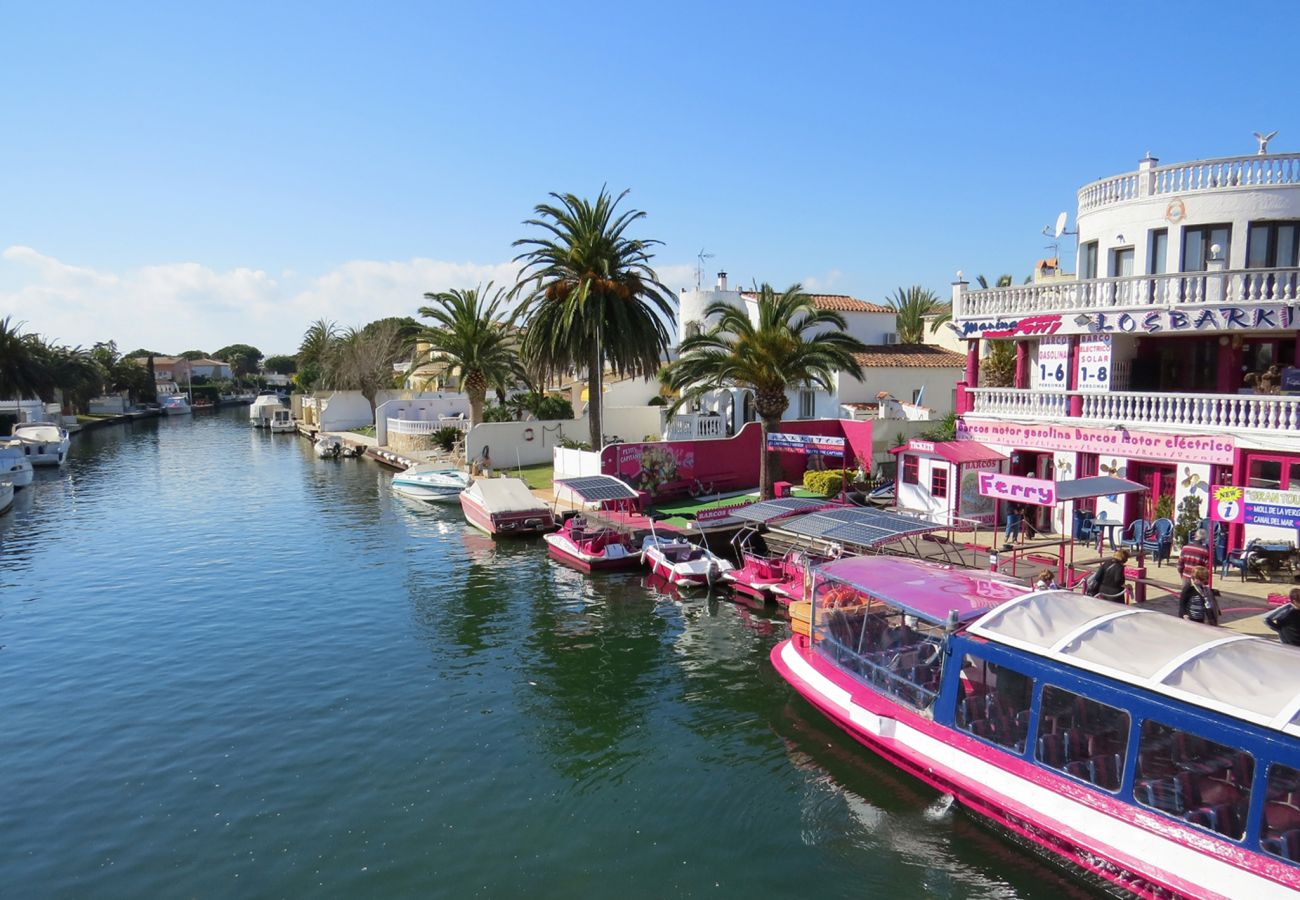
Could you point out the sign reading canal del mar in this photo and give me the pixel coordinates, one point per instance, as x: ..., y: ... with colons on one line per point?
x: 1197, y: 448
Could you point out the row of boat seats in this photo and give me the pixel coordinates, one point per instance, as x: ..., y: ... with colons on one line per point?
x: 1210, y: 803
x: 1285, y: 845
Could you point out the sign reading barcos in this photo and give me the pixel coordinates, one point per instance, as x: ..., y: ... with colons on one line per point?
x: 1017, y: 489
x: 1195, y: 448
x: 1053, y: 363
x: 1094, y: 363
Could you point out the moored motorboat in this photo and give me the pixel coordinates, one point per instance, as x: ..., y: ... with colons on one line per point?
x: 432, y: 483
x: 262, y: 410
x: 43, y: 443
x: 328, y: 446
x: 588, y: 547
x: 1149, y: 751
x: 282, y: 421
x: 15, y: 468
x: 505, y: 506
x: 175, y: 404
x: 681, y: 563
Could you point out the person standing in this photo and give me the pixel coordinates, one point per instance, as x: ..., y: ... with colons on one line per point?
x: 1196, y: 602
x: 1015, y: 523
x: 1110, y: 578
x: 1285, y: 620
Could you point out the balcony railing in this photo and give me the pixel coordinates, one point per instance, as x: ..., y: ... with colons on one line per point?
x: 691, y: 426
x: 1205, y: 412
x: 422, y: 426
x: 1135, y: 292
x: 1271, y: 170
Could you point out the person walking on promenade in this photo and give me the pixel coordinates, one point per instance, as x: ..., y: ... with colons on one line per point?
x: 1196, y: 603
x: 1285, y: 620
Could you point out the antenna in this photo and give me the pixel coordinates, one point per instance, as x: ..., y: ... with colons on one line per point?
x: 699, y: 267
x: 1055, y: 231
x: 1060, y: 224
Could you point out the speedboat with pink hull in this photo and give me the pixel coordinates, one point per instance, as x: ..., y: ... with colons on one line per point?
x: 681, y: 563
x: 587, y: 547
x: 1157, y: 754
x: 760, y: 572
x: 505, y: 506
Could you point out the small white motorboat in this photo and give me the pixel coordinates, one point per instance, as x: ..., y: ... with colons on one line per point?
x: 263, y: 409
x: 282, y: 421
x: 682, y: 563
x: 328, y: 446
x: 432, y: 483
x: 44, y: 443
x: 15, y: 468
x: 175, y: 405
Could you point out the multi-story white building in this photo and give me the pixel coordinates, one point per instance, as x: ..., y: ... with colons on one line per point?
x: 1161, y: 361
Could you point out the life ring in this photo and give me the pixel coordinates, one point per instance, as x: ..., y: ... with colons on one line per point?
x: 528, y: 434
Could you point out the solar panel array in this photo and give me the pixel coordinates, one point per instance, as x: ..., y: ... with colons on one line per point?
x: 856, y: 525
x: 598, y: 488
x: 771, y: 509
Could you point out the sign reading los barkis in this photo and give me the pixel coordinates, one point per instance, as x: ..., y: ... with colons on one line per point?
x: 1204, y: 317
x: 1016, y: 489
x: 1193, y: 448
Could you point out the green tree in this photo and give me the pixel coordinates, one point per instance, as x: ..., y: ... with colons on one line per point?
x: 281, y: 364
x: 244, y: 360
x: 360, y: 360
x: 192, y: 355
x: 317, y: 345
x: 591, y: 297
x: 1003, y: 281
x: 470, y: 339
x: 23, y: 370
x: 997, y: 368
x: 142, y: 353
x: 793, y: 344
x: 911, y: 306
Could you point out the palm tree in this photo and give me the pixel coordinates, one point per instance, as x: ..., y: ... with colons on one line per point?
x: 471, y: 340
x: 911, y: 306
x: 362, y: 359
x: 1003, y: 281
x: 792, y: 344
x: 23, y: 371
x: 317, y: 343
x: 998, y: 367
x: 591, y: 297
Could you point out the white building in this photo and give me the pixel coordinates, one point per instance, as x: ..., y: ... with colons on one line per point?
x: 1160, y: 362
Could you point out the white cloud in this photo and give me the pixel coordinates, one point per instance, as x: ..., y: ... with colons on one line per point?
x: 824, y: 283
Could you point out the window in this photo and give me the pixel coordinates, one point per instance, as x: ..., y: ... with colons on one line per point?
x: 1088, y: 466
x: 1121, y: 262
x: 939, y: 481
x: 1158, y: 251
x: 911, y: 469
x: 1280, y: 834
x: 807, y: 404
x: 1088, y: 260
x: 1204, y: 783
x: 1273, y: 245
x: 994, y: 702
x: 1198, y: 241
x: 1272, y: 472
x: 1082, y: 737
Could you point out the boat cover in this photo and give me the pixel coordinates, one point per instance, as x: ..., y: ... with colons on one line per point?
x: 1247, y: 677
x: 929, y: 591
x: 859, y: 526
x: 505, y: 495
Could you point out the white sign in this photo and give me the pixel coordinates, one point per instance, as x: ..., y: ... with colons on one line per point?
x: 1094, y: 363
x: 1054, y: 363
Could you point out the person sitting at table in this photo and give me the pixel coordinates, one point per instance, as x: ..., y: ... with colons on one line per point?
x: 1196, y: 603
x: 1195, y: 552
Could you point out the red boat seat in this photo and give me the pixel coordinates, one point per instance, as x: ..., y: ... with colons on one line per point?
x: 1051, y: 750
x: 1285, y: 845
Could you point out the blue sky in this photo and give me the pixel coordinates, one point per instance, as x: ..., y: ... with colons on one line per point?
x: 182, y: 177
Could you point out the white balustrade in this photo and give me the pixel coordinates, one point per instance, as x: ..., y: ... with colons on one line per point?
x: 423, y: 426
x: 694, y: 425
x: 1203, y: 175
x: 1131, y: 293
x: 1201, y: 412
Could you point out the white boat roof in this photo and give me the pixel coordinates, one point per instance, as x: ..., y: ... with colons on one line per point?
x: 1246, y: 677
x: 506, y: 495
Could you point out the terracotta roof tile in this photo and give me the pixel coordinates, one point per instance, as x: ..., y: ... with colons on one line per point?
x: 921, y: 356
x: 836, y: 303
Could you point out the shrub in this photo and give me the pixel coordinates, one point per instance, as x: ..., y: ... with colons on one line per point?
x: 445, y: 438
x: 570, y: 444
x: 498, y: 413
x: 827, y: 483
x: 550, y: 407
x: 658, y: 400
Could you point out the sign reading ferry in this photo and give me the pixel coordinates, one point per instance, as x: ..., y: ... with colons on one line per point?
x: 1015, y: 489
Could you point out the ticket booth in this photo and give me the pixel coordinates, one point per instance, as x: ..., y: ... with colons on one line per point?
x: 941, y: 479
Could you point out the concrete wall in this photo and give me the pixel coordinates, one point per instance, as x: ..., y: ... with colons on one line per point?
x: 503, y: 438
x: 939, y: 383
x: 341, y: 410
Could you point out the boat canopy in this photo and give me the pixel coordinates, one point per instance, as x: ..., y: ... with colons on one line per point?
x: 859, y: 526
x: 929, y: 591
x: 767, y: 510
x: 1095, y: 486
x: 506, y: 495
x: 1241, y: 676
x: 598, y: 488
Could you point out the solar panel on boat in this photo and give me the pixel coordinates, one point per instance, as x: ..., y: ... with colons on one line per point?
x: 771, y: 509
x: 855, y: 525
x: 598, y: 488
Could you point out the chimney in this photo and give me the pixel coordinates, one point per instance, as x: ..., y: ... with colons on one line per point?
x: 722, y: 281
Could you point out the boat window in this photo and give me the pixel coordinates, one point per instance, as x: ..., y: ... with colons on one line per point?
x: 1280, y: 834
x: 1196, y: 779
x: 896, y: 653
x: 993, y: 702
x: 1082, y: 737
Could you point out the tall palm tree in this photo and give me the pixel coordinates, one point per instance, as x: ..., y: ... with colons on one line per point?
x: 1003, y: 281
x: 23, y: 371
x: 591, y: 298
x: 911, y: 306
x: 317, y: 344
x: 792, y: 344
x: 471, y: 340
x: 362, y: 359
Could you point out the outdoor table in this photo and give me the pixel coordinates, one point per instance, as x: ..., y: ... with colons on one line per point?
x: 1275, y: 556
x: 1109, y: 525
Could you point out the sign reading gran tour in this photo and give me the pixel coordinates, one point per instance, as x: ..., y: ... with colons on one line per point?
x: 1195, y: 448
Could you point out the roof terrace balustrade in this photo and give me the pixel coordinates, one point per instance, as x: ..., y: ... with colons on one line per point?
x: 1197, y: 412
x: 1134, y: 293
x: 690, y: 426
x: 1226, y: 173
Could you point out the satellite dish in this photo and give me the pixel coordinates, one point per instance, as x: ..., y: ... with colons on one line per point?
x: 1060, y: 224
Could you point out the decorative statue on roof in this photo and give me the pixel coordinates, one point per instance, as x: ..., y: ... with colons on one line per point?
x: 1263, y: 141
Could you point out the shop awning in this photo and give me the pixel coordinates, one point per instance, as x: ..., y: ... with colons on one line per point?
x: 1095, y: 486
x: 952, y: 451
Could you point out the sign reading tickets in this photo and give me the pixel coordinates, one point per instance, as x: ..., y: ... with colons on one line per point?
x: 1095, y: 363
x: 1016, y: 489
x: 1192, y: 448
x: 1054, y: 363
x: 1255, y: 506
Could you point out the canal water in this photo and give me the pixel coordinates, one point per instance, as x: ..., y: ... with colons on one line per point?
x: 229, y: 669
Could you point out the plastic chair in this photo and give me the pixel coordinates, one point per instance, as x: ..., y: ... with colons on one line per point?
x: 1158, y: 540
x: 1131, y: 538
x: 1239, y: 559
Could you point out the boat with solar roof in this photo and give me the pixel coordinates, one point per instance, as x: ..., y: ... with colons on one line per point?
x: 593, y: 543
x: 1160, y: 755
